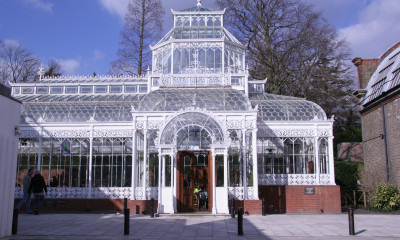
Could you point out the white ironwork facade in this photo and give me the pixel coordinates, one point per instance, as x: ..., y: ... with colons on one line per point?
x: 124, y: 134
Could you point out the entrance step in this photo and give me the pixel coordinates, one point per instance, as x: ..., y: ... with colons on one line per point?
x: 194, y: 214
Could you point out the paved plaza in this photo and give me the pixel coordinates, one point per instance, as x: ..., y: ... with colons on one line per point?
x: 283, y: 226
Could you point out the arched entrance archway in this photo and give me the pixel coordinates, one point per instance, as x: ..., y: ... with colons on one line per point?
x: 193, y: 134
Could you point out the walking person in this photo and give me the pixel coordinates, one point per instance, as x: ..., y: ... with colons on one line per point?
x: 26, y: 198
x: 37, y: 187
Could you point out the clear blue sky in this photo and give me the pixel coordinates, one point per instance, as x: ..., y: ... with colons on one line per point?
x: 83, y: 35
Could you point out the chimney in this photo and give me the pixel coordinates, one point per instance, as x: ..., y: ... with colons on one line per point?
x: 365, y: 69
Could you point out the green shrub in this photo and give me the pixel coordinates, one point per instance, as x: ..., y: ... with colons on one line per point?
x: 386, y: 198
x: 347, y: 174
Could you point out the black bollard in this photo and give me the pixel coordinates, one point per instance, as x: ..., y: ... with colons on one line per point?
x: 152, y: 207
x: 14, y: 228
x: 240, y: 221
x: 263, y: 207
x: 233, y: 208
x: 126, y: 221
x: 351, y: 221
x: 125, y: 203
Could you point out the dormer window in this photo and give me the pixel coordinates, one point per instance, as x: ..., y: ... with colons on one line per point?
x: 86, y: 89
x: 42, y: 90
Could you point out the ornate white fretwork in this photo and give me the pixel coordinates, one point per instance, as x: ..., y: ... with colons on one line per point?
x: 293, y: 179
x: 250, y: 193
x: 139, y: 124
x: 113, y: 133
x: 154, y: 124
x: 83, y: 193
x: 70, y: 133
x: 152, y: 192
x: 236, y: 193
x: 266, y: 132
x: 117, y: 192
x: 138, y: 193
x: 325, y: 179
x: 234, y: 124
x: 29, y: 134
x: 323, y: 133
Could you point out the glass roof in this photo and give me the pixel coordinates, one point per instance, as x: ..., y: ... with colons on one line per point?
x: 78, y: 108
x: 80, y: 98
x: 192, y: 127
x: 385, y: 78
x: 213, y: 99
x: 283, y: 108
x: 77, y: 112
x: 199, y: 32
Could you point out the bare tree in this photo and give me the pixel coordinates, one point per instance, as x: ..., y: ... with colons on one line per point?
x: 17, y: 64
x: 143, y: 25
x: 53, y: 69
x: 290, y: 44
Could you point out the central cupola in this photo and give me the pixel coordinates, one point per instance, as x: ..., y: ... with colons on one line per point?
x: 199, y: 52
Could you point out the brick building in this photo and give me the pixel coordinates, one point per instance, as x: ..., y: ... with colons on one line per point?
x: 379, y: 90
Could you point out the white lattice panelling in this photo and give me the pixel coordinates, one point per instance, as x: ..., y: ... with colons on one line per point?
x: 83, y: 193
x: 325, y: 179
x: 67, y: 192
x: 18, y: 192
x: 250, y: 193
x: 117, y: 192
x: 236, y: 193
x: 293, y: 179
x: 138, y: 193
x: 152, y: 192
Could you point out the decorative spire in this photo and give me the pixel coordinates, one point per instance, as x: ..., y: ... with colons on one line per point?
x: 198, y: 3
x: 41, y: 72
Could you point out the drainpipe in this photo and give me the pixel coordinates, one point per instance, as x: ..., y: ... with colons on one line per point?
x: 385, y: 141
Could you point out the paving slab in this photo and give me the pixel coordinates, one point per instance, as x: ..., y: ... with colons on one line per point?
x: 283, y: 226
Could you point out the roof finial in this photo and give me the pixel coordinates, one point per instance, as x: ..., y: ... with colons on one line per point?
x: 199, y: 3
x: 41, y: 72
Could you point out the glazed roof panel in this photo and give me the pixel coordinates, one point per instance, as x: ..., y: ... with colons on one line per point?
x: 284, y: 108
x: 213, y: 99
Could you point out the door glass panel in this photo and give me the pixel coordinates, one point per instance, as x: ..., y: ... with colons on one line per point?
x: 187, y: 173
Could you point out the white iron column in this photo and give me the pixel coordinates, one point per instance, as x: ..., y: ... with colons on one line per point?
x: 255, y: 165
x: 331, y: 162
x: 160, y: 176
x: 214, y: 192
x: 226, y: 209
x: 134, y: 161
x: 317, y: 168
x: 90, y: 160
x: 173, y: 183
x: 145, y: 164
x: 39, y: 151
x: 244, y: 162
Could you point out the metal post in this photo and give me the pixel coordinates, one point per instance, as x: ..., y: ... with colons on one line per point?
x: 152, y: 207
x: 125, y: 203
x: 240, y: 221
x: 14, y: 229
x: 233, y: 208
x: 126, y: 221
x: 263, y: 207
x: 351, y: 220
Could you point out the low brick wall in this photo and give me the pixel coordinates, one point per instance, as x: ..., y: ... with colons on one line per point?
x: 301, y: 199
x: 94, y: 205
x: 278, y: 199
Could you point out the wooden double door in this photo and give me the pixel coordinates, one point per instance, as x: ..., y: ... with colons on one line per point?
x: 194, y: 174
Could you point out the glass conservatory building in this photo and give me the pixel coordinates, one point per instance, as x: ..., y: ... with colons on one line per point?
x: 194, y: 121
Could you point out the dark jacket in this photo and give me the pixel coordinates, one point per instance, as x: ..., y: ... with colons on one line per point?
x: 37, y: 184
